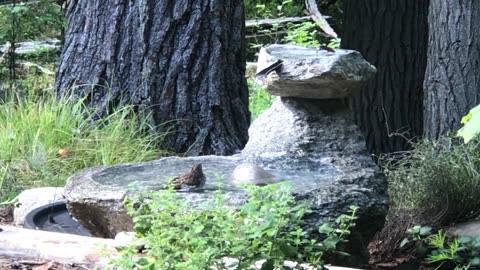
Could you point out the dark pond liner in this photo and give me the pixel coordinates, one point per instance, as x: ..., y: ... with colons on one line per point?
x: 54, y: 218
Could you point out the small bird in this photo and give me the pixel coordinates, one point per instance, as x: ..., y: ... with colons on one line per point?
x: 194, y: 178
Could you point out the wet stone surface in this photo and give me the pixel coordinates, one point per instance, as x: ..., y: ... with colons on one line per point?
x: 218, y: 171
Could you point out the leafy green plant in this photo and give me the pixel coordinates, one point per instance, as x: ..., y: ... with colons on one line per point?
x: 304, y: 34
x: 334, y: 43
x: 471, y: 125
x: 268, y: 226
x: 259, y: 99
x: 416, y: 235
x: 276, y: 33
x: 439, y: 248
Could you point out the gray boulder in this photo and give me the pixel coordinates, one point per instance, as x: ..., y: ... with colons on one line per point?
x: 312, y: 73
x: 320, y: 136
x: 302, y: 129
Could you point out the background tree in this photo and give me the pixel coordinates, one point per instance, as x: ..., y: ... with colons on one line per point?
x: 181, y: 61
x: 392, y: 35
x: 452, y: 81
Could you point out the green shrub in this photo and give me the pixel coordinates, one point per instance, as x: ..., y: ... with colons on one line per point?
x: 442, y: 178
x: 304, y: 34
x: 179, y: 236
x: 33, y: 129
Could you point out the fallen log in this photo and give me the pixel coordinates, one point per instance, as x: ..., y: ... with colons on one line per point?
x: 63, y: 248
x: 270, y: 22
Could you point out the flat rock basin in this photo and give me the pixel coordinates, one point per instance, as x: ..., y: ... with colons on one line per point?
x: 292, y: 52
x: 218, y: 171
x: 95, y: 197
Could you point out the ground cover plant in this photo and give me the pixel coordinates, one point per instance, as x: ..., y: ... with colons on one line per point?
x: 268, y: 227
x: 441, y: 250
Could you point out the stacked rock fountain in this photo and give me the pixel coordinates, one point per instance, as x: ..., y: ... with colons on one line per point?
x: 307, y: 138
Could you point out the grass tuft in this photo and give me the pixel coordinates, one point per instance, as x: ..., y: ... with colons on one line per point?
x: 33, y: 130
x: 442, y: 178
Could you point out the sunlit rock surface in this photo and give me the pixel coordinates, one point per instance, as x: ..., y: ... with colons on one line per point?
x: 313, y: 73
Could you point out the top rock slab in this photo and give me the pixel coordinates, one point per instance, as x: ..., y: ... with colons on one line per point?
x: 313, y: 73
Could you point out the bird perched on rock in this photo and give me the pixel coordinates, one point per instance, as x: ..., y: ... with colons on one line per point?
x: 193, y: 179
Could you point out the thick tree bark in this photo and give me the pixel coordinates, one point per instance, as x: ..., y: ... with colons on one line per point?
x: 452, y: 83
x: 182, y: 61
x: 392, y: 35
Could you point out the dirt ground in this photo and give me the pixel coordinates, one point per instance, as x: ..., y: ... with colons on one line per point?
x: 6, y: 218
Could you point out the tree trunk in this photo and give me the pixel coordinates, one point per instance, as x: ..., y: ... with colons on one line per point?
x: 182, y: 61
x: 392, y: 35
x: 452, y: 83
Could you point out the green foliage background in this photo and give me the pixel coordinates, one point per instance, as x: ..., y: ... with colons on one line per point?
x: 260, y: 9
x: 36, y: 20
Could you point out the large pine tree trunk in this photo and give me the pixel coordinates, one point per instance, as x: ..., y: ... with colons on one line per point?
x: 392, y: 35
x: 183, y: 61
x: 452, y: 83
